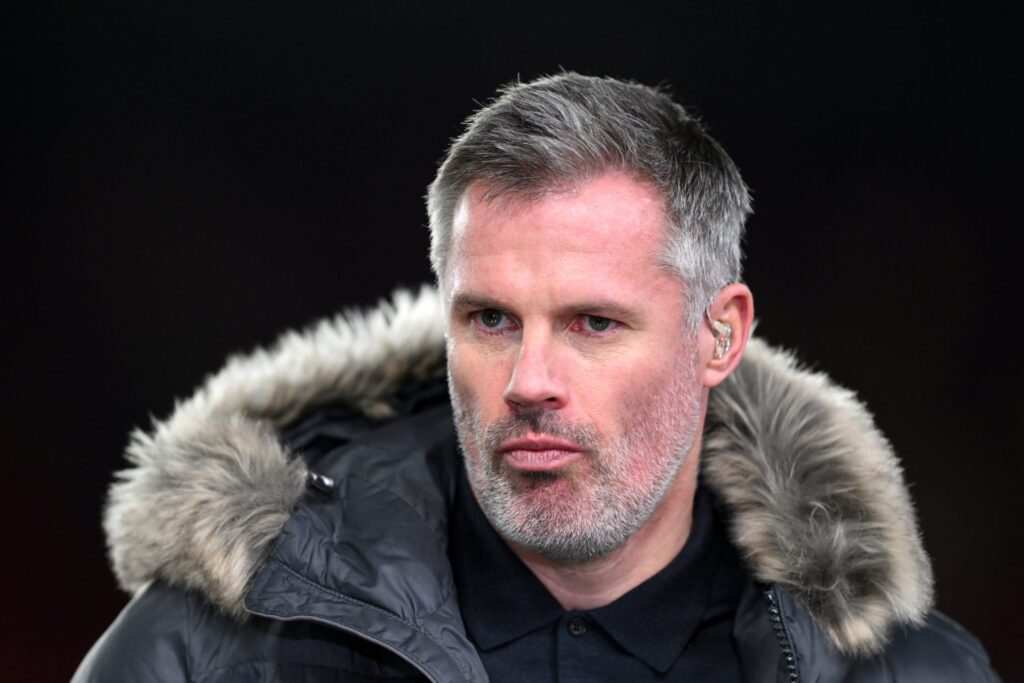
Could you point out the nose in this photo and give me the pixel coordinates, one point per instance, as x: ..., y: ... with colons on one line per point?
x: 535, y: 381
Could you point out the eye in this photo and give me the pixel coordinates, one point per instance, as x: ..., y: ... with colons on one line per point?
x: 491, y: 318
x: 594, y: 325
x: 492, y: 321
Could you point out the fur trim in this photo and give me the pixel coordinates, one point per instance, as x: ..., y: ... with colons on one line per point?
x: 815, y: 496
x: 211, y: 488
x: 816, y: 499
x: 202, y: 512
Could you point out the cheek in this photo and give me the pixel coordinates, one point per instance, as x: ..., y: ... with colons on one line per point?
x: 631, y: 388
x: 474, y: 380
x: 646, y: 397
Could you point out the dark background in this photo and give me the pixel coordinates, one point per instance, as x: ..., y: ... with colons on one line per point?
x: 182, y: 182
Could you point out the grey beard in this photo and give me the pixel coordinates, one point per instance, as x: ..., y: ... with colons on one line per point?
x: 600, y: 515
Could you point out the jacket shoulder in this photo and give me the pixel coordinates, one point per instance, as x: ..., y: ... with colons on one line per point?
x: 935, y: 649
x: 147, y: 641
x: 938, y: 650
x: 172, y: 635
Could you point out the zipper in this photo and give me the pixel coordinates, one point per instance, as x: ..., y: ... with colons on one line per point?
x: 351, y: 631
x: 776, y: 616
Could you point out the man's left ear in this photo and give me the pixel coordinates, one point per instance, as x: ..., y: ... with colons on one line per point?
x: 724, y: 332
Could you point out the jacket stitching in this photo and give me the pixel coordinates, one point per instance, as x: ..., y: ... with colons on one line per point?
x: 275, y: 663
x: 341, y: 597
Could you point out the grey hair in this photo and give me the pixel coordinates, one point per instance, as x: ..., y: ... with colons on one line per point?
x: 551, y: 133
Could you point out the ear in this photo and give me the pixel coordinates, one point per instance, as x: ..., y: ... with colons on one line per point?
x: 732, y: 306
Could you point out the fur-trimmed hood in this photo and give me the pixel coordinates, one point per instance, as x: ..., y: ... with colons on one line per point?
x: 813, y: 493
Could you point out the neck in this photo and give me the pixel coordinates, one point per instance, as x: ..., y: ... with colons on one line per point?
x: 645, y: 553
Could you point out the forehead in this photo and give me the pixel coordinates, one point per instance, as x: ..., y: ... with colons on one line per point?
x: 599, y: 240
x: 598, y: 215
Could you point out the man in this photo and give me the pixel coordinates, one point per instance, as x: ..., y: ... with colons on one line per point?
x: 306, y: 515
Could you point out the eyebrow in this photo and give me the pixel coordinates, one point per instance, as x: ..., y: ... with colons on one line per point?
x: 602, y: 308
x: 599, y: 307
x: 462, y: 302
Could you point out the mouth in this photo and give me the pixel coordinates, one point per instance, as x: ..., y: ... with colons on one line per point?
x: 539, y: 453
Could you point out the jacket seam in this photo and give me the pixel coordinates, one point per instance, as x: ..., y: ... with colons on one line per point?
x: 340, y: 597
x: 272, y: 662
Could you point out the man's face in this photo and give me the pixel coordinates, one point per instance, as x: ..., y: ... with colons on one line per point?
x: 574, y: 382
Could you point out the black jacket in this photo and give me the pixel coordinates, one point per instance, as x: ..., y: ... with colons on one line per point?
x: 250, y: 564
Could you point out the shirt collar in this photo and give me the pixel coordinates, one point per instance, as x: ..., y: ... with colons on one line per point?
x: 502, y: 600
x: 655, y: 621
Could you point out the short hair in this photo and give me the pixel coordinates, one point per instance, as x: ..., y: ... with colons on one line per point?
x: 551, y: 133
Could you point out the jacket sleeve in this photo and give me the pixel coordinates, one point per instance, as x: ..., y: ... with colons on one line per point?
x: 148, y: 642
x: 941, y: 650
x: 948, y: 652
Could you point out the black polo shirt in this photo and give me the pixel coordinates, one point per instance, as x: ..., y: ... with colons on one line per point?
x: 676, y: 626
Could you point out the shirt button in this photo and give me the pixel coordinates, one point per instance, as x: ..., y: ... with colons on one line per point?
x: 577, y: 626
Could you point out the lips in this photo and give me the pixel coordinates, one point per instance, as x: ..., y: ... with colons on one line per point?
x: 539, y: 453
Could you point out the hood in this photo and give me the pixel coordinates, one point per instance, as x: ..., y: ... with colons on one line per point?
x: 813, y: 494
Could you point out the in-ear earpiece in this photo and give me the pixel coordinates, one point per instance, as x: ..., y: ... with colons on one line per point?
x: 723, y: 335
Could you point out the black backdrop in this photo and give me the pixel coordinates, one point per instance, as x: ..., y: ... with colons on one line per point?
x: 181, y: 182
